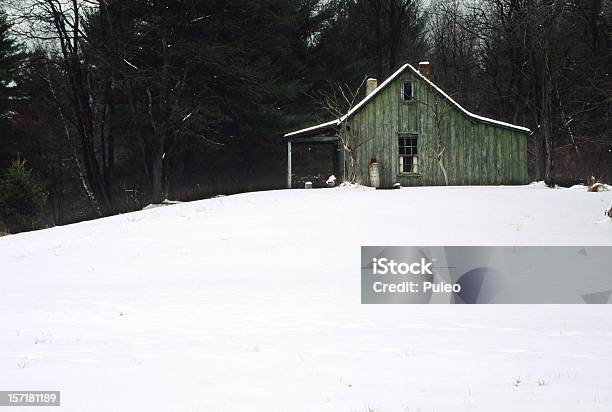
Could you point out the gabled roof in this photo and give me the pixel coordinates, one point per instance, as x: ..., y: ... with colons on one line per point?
x: 384, y: 84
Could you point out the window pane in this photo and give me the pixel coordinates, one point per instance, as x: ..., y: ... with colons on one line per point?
x: 406, y: 163
x: 407, y: 90
x: 407, y: 154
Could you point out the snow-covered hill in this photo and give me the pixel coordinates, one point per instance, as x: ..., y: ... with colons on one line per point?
x: 252, y: 303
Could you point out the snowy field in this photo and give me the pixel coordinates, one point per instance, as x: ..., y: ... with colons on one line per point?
x: 252, y: 303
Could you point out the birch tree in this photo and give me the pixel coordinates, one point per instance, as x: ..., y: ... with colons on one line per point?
x: 59, y: 24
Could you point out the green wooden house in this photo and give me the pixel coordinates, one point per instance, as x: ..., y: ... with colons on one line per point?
x: 408, y: 131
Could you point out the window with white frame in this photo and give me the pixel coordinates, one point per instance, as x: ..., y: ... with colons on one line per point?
x: 408, y: 155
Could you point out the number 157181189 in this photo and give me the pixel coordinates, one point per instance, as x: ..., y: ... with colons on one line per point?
x: 29, y: 398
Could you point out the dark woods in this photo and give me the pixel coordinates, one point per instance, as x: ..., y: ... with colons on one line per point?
x: 119, y: 103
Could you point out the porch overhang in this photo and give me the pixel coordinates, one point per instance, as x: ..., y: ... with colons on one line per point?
x: 314, y: 139
x: 310, y: 139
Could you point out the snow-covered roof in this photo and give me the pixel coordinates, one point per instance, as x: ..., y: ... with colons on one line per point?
x: 313, y: 128
x: 384, y: 84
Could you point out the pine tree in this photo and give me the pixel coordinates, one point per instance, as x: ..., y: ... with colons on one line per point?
x: 11, y: 57
x: 22, y: 199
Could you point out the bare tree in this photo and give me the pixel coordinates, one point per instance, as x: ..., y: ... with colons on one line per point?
x: 405, y: 30
x: 390, y: 31
x: 526, y: 56
x: 59, y: 23
x: 338, y: 102
x: 440, y: 113
x: 75, y: 156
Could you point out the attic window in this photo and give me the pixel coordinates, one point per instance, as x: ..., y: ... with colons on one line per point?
x: 408, y: 91
x: 408, y: 155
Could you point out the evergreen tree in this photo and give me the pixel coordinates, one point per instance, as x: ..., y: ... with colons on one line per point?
x: 11, y: 57
x: 208, y: 85
x: 371, y: 37
x: 22, y: 198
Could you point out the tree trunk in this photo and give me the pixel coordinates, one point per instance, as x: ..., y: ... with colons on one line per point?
x: 378, y: 34
x: 396, y: 23
x: 443, y: 169
x: 547, y: 115
x: 157, y: 178
x: 84, y: 181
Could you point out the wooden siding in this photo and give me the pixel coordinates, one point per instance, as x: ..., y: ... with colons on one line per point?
x: 476, y: 153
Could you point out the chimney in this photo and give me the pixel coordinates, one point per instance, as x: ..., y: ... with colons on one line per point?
x: 425, y: 69
x: 371, y: 84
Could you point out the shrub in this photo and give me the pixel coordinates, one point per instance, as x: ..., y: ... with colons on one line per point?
x: 598, y: 187
x: 22, y: 199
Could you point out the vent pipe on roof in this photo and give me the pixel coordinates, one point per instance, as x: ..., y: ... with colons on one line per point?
x: 371, y: 84
x: 425, y: 69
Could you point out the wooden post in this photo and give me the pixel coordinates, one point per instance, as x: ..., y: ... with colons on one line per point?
x: 342, y: 162
x: 288, y: 164
x: 336, y: 161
